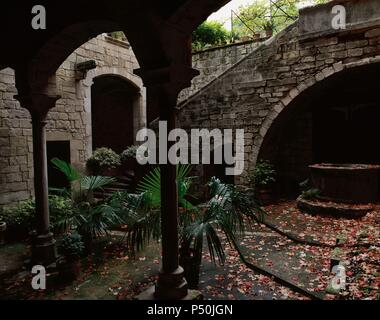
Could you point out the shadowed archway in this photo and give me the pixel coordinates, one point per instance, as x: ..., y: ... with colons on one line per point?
x: 334, y: 121
x: 112, y: 112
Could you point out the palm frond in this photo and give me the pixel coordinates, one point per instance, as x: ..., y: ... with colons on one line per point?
x: 229, y: 211
x: 63, y: 192
x: 92, y: 183
x: 67, y: 169
x: 151, y: 185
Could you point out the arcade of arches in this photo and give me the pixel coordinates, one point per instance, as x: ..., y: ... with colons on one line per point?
x: 295, y: 94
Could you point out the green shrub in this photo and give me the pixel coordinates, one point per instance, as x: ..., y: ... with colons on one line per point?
x: 60, y: 207
x: 209, y: 33
x: 103, y: 158
x: 23, y: 214
x: 263, y: 175
x: 71, y: 246
x: 310, y: 194
x: 118, y: 35
x: 19, y: 215
x: 129, y: 153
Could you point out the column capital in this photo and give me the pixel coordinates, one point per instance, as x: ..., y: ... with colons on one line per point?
x: 175, y: 75
x: 38, y: 104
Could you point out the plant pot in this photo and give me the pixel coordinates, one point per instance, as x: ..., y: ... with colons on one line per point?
x: 269, y: 32
x: 69, y: 269
x: 129, y: 164
x: 3, y: 228
x: 110, y: 172
x: 256, y: 36
x: 265, y: 196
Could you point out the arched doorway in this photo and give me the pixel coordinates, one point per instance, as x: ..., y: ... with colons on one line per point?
x: 113, y: 104
x: 335, y: 121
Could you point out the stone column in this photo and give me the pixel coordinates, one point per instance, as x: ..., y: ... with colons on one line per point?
x: 163, y: 87
x: 43, y: 243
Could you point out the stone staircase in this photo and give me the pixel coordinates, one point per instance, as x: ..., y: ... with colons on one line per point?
x: 123, y: 183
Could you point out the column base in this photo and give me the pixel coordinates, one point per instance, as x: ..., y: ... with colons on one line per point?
x: 150, y: 294
x: 43, y: 249
x: 171, y: 286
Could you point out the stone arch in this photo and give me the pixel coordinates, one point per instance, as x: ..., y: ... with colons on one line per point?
x: 163, y: 51
x: 301, y: 88
x: 328, y: 119
x: 139, y: 105
x: 44, y: 63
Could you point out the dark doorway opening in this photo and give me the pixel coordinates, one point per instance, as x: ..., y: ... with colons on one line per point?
x: 347, y: 134
x: 113, y: 100
x: 60, y: 150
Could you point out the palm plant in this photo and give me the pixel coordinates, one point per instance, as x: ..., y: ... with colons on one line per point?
x: 142, y: 220
x: 91, y: 219
x: 151, y: 185
x: 228, y: 212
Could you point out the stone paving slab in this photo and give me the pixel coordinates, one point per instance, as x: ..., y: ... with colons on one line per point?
x: 305, y: 267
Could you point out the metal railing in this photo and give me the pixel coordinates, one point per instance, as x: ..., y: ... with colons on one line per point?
x: 276, y: 9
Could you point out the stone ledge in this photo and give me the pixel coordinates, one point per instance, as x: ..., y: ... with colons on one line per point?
x: 315, y: 21
x: 117, y: 42
x: 334, y: 209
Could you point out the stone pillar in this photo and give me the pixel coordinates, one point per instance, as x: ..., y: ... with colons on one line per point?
x: 163, y: 87
x: 43, y: 243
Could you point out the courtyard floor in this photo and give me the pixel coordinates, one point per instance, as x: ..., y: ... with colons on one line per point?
x: 290, y: 263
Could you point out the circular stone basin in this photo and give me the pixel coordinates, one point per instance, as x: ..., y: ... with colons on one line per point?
x: 335, y: 209
x: 347, y: 183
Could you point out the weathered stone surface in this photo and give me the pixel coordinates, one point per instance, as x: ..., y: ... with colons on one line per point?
x: 286, y: 68
x: 64, y: 121
x: 240, y: 86
x: 211, y: 63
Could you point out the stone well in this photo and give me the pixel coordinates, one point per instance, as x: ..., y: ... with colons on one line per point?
x: 348, y: 183
x: 345, y: 189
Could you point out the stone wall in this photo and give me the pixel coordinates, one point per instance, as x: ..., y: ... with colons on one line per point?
x: 15, y: 144
x: 70, y: 120
x: 252, y: 93
x: 211, y: 63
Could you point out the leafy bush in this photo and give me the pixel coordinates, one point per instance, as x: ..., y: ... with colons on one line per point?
x: 19, y: 215
x: 118, y: 35
x: 23, y: 214
x: 59, y: 207
x: 263, y: 175
x: 71, y: 246
x: 209, y: 33
x: 129, y: 153
x: 103, y: 158
x: 310, y: 194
